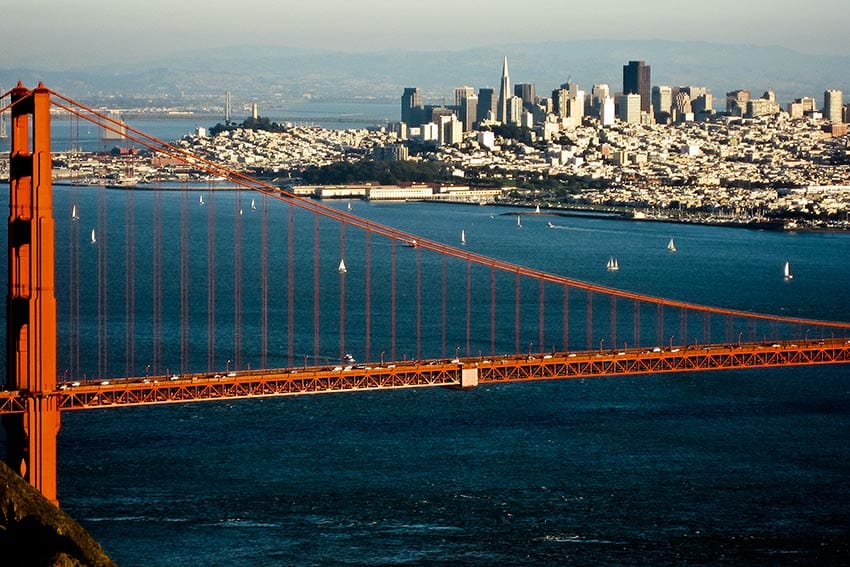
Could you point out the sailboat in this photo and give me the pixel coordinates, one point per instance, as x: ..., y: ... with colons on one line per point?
x: 787, y: 271
x: 342, y: 269
x: 74, y: 214
x: 462, y: 236
x: 518, y: 221
x: 253, y: 205
x: 93, y: 238
x: 613, y: 265
x: 671, y: 246
x: 201, y: 200
x: 537, y: 209
x: 349, y: 206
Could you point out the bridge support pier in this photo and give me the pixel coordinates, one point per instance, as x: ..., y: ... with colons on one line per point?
x: 31, y: 301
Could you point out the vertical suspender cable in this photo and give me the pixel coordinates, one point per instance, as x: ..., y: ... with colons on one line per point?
x: 589, y: 316
x: 341, y: 291
x: 184, y: 280
x: 316, y: 296
x: 613, y: 321
x: 542, y: 301
x: 637, y: 342
x: 392, y: 297
x: 130, y: 282
x: 290, y: 285
x: 157, y: 279
x: 102, y: 283
x: 418, y: 303
x: 443, y: 306
x: 211, y: 329
x: 492, y: 310
x: 566, y: 319
x: 264, y: 284
x: 468, y: 306
x: 237, y: 283
x: 368, y: 306
x: 516, y: 313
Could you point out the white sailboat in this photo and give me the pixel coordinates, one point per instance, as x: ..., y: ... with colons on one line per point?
x: 519, y: 221
x: 93, y: 238
x: 537, y: 209
x: 613, y: 265
x: 253, y: 205
x: 787, y: 271
x: 462, y: 237
x: 342, y: 269
x: 201, y: 200
x: 74, y: 214
x: 671, y: 246
x: 349, y: 205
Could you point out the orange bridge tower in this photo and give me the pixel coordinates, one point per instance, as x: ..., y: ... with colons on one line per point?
x: 31, y: 301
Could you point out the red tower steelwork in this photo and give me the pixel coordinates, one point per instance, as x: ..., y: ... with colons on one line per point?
x: 31, y: 302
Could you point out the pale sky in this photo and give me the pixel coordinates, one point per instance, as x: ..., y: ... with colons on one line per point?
x: 75, y: 32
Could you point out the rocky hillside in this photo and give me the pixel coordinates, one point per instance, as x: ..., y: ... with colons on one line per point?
x: 33, y: 532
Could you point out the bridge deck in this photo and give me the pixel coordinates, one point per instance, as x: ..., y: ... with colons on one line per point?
x: 415, y: 374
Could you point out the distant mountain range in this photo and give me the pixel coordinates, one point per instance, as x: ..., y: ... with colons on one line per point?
x: 265, y: 73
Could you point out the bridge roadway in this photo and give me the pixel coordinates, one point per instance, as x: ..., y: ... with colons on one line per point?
x: 463, y: 372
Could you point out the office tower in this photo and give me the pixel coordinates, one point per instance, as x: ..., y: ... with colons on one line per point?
x: 736, y: 102
x: 461, y: 93
x: 832, y: 105
x: 468, y: 112
x: 662, y: 100
x: 411, y: 107
x: 486, y: 105
x: 606, y: 111
x: 629, y: 108
x: 514, y: 110
x: 636, y: 80
x: 559, y: 102
x: 504, y: 94
x: 598, y: 94
x: 526, y: 92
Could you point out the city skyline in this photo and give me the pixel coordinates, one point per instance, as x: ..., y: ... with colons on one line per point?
x: 99, y: 33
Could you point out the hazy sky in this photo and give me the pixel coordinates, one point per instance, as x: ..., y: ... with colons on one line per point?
x: 77, y: 31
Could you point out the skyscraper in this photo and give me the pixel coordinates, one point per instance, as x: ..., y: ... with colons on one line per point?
x: 662, y: 100
x: 504, y: 94
x: 411, y: 106
x: 487, y: 104
x: 526, y: 92
x: 636, y: 80
x: 832, y: 105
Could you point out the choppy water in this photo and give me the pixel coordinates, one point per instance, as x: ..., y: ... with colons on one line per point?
x: 712, y: 468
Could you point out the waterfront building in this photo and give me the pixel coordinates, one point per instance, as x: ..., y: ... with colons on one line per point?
x: 636, y: 80
x: 487, y: 104
x: 411, y: 107
x: 504, y: 94
x: 832, y: 105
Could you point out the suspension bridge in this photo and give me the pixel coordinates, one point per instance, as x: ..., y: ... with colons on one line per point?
x: 157, y: 314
